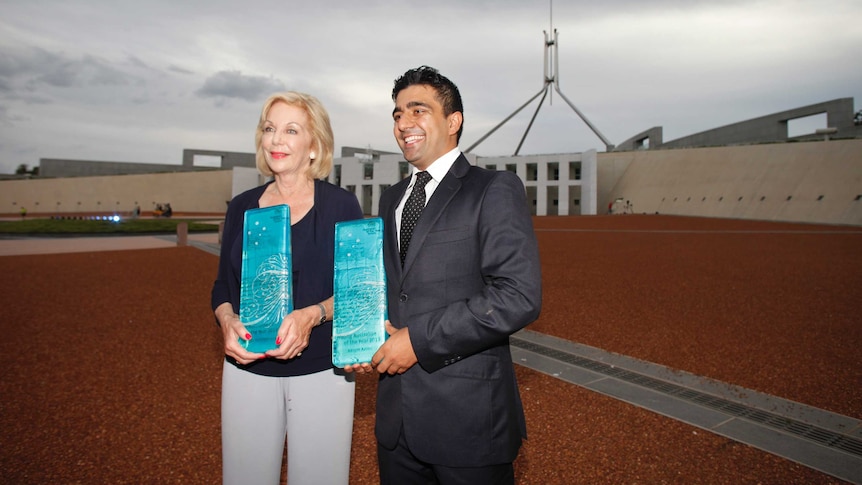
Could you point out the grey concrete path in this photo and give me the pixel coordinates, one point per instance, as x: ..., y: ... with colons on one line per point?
x: 816, y: 438
x: 825, y: 441
x: 14, y: 246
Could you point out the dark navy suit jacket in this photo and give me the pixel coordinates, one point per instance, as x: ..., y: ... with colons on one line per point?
x: 470, y: 279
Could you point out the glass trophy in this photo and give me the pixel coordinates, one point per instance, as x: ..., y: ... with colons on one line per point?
x: 360, y: 312
x: 266, y: 288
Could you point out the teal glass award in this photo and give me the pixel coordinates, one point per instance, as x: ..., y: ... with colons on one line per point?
x: 267, y: 278
x: 360, y: 312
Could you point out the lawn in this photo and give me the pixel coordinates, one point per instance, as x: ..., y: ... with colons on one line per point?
x: 87, y: 226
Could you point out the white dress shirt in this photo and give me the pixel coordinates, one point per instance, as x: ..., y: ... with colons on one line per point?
x: 438, y: 169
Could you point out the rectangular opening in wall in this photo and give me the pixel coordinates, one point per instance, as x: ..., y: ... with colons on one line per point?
x: 532, y: 199
x: 367, y: 192
x: 553, y: 196
x: 574, y: 170
x: 806, y: 125
x: 574, y: 200
x: 553, y: 171
x: 206, y: 161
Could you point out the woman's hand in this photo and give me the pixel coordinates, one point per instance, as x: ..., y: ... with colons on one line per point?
x: 294, y: 333
x: 233, y: 330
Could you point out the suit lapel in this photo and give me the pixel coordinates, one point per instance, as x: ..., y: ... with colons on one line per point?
x: 391, y: 258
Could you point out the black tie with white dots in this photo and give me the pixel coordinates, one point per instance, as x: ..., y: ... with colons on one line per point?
x: 412, y: 210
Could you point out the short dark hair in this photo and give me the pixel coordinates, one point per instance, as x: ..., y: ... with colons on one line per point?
x: 447, y: 92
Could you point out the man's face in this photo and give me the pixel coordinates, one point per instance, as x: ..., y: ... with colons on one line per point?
x: 421, y: 129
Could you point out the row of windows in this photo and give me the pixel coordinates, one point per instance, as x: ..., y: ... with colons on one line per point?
x: 532, y: 174
x: 552, y: 167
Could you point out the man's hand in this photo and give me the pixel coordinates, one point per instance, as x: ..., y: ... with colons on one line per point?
x: 395, y: 356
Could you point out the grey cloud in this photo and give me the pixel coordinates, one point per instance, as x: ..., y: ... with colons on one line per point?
x: 233, y: 84
x: 137, y: 62
x: 179, y: 70
x: 38, y: 65
x: 89, y: 70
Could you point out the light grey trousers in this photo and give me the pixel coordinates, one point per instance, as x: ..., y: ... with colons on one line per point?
x: 314, y: 412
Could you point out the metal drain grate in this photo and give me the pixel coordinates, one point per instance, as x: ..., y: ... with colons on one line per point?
x: 787, y: 425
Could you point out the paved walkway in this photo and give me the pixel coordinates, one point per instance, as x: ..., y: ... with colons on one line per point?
x: 49, y: 245
x: 816, y: 438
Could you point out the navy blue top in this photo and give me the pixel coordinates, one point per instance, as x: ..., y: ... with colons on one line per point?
x: 313, y: 251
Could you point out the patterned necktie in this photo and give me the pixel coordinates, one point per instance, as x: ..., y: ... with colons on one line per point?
x: 412, y: 210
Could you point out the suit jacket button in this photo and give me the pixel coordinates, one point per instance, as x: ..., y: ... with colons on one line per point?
x: 403, y: 297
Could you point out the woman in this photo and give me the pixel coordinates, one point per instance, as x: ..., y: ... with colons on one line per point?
x: 292, y: 390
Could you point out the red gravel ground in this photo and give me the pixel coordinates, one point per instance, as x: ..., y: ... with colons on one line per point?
x: 112, y: 365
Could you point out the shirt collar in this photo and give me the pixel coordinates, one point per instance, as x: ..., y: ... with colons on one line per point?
x: 440, y: 167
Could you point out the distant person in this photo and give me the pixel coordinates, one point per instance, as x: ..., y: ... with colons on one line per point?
x: 448, y: 406
x: 292, y: 391
x: 23, y: 212
x: 136, y: 212
x: 168, y: 211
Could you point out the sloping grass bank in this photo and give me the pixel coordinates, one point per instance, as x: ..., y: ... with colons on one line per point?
x: 79, y: 226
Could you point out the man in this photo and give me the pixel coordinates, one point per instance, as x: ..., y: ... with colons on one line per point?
x: 448, y: 407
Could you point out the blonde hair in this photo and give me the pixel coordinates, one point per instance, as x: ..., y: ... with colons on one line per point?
x: 321, y: 132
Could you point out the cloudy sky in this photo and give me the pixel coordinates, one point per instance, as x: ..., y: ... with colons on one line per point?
x: 117, y: 80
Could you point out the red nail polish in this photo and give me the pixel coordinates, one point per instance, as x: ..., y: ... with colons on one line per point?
x: 248, y: 336
x: 278, y: 341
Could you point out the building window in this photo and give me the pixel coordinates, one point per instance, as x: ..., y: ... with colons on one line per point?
x: 351, y: 189
x: 403, y: 170
x: 338, y: 175
x: 368, y: 171
x: 553, y: 171
x: 491, y: 166
x: 511, y: 167
x: 532, y: 171
x: 574, y: 170
x: 577, y: 201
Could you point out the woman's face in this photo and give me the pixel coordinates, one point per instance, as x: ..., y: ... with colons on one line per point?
x: 287, y: 141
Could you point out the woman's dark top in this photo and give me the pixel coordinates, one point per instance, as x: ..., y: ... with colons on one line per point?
x: 312, y: 246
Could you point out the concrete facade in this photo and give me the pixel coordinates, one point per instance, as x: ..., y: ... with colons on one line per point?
x: 795, y: 180
x: 560, y: 184
x: 840, y: 120
x: 56, y: 167
x: 816, y: 182
x: 773, y: 128
x: 189, y: 192
x: 229, y: 160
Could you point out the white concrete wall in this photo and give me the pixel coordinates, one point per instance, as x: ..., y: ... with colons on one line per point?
x: 816, y: 182
x: 750, y: 182
x: 203, y: 192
